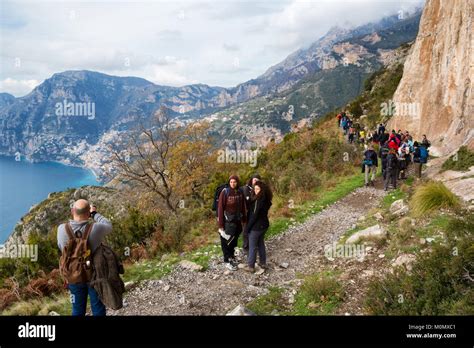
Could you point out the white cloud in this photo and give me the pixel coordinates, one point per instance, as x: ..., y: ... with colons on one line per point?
x: 18, y: 87
x: 168, y: 42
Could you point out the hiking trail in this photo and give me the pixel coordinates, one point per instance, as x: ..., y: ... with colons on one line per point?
x: 300, y: 249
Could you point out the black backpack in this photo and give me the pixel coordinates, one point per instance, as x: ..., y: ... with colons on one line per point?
x: 217, y: 193
x: 392, y: 161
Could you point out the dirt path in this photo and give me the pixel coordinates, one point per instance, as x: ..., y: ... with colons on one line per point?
x: 300, y: 248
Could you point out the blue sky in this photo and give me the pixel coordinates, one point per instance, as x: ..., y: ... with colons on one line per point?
x: 220, y: 43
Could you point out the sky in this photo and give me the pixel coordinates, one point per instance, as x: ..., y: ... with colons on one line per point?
x: 175, y: 43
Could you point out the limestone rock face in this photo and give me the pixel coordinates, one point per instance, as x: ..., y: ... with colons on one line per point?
x: 437, y: 78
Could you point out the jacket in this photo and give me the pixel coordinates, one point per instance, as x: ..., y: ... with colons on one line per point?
x: 258, y: 215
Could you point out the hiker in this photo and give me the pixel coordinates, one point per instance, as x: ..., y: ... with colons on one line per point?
x: 362, y: 136
x: 257, y: 225
x: 392, y: 169
x: 375, y: 138
x: 344, y: 122
x: 393, y: 142
x: 383, y: 152
x: 425, y: 142
x: 351, y: 135
x: 247, y: 190
x: 383, y: 137
x: 420, y: 157
x: 93, y: 233
x: 381, y: 129
x: 402, y: 163
x: 231, y: 214
x: 416, y: 159
x: 339, y: 117
x: 399, y: 136
x: 370, y: 165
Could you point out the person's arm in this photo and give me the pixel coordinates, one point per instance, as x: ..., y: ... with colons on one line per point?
x: 257, y: 209
x: 220, y: 209
x: 62, y: 237
x: 104, y: 224
x: 243, y: 207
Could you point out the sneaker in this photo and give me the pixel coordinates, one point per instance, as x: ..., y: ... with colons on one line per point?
x: 262, y: 266
x: 233, y: 261
x: 230, y: 266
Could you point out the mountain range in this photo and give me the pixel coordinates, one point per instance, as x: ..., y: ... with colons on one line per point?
x: 304, y: 86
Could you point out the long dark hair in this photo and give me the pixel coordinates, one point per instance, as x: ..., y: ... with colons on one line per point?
x: 265, y: 191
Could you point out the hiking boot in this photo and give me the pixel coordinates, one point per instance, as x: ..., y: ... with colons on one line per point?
x: 249, y: 269
x: 262, y: 266
x: 230, y: 266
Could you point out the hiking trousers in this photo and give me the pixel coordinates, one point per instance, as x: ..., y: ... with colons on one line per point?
x: 391, y: 177
x: 368, y: 170
x: 257, y: 243
x: 228, y: 248
x: 418, y: 169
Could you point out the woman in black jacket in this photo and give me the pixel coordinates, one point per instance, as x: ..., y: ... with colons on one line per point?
x: 257, y: 225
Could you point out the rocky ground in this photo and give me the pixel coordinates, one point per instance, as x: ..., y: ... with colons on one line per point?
x: 297, y: 251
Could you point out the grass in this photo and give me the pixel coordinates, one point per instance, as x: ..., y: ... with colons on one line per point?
x: 432, y: 196
x: 320, y: 294
x: 461, y: 161
x: 59, y: 304
x: 438, y: 283
x: 150, y: 269
x: 393, y: 196
x: 269, y: 304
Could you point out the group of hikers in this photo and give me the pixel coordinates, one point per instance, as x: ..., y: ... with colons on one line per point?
x: 243, y: 210
x: 397, y: 151
x: 91, y: 269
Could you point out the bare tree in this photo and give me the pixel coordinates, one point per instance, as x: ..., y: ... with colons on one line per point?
x: 146, y: 159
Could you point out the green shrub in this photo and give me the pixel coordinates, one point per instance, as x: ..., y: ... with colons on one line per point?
x: 320, y: 294
x: 438, y: 283
x: 133, y: 228
x: 432, y: 196
x: 461, y: 161
x: 269, y: 303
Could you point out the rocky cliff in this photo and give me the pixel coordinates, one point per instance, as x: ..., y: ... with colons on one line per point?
x: 434, y: 96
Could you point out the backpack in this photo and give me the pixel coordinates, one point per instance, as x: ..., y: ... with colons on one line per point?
x: 75, y: 261
x: 217, y: 193
x: 423, y: 154
x: 368, y: 158
x: 392, y: 161
x: 105, y: 279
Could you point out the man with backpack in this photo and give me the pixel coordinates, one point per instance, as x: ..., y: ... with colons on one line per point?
x: 370, y: 165
x: 78, y: 239
x: 231, y: 214
x: 392, y: 170
x: 420, y: 156
x: 381, y: 129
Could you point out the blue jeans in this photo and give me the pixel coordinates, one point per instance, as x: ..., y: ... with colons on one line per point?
x: 79, y: 294
x: 257, y: 243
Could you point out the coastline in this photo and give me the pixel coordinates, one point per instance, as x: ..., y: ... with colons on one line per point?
x: 23, y: 205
